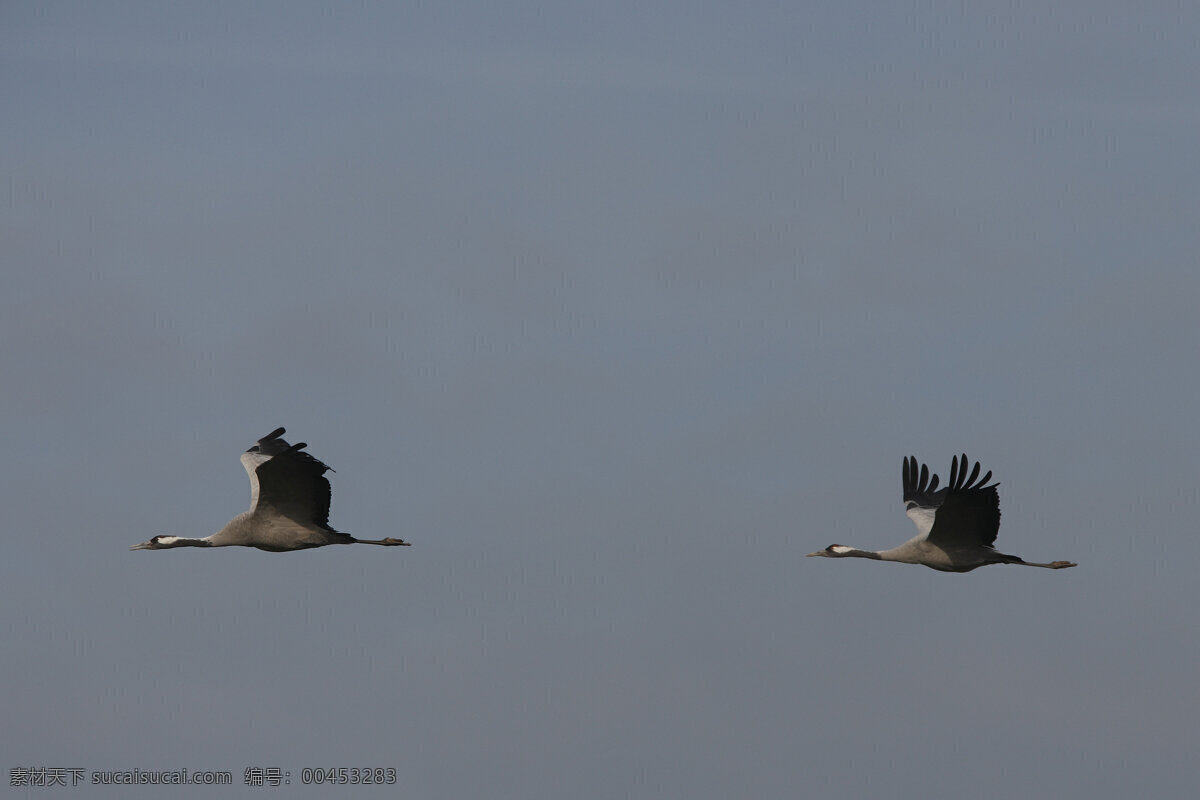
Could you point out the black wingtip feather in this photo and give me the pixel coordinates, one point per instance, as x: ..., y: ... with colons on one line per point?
x: 959, y: 481
x: 917, y: 480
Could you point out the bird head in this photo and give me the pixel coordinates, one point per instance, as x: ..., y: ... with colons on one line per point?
x: 833, y: 551
x: 157, y: 543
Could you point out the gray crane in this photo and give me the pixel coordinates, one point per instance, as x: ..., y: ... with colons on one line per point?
x: 956, y: 526
x: 289, y: 505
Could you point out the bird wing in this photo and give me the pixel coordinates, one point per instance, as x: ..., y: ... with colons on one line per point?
x: 287, y: 481
x: 970, y: 511
x: 921, y: 498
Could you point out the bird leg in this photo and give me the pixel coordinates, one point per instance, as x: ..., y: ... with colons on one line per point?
x: 388, y: 542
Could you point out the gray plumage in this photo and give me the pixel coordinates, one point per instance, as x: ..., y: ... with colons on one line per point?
x: 956, y: 525
x: 289, y: 505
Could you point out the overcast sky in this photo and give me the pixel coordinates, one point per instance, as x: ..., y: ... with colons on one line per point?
x: 614, y: 311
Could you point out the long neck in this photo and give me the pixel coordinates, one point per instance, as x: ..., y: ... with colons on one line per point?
x: 854, y: 552
x: 895, y: 554
x: 183, y: 541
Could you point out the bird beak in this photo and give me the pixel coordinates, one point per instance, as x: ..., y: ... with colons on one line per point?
x: 818, y: 553
x: 143, y: 546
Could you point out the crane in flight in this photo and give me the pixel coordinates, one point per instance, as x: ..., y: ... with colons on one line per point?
x: 956, y: 525
x: 289, y: 505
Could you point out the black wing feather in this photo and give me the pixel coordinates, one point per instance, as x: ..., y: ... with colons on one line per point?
x: 970, y: 510
x: 292, y: 482
x: 974, y: 474
x: 920, y: 489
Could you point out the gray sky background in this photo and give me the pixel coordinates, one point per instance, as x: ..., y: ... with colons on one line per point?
x: 615, y: 311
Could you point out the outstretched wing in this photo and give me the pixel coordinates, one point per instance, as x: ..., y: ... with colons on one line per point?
x: 970, y: 510
x: 287, y: 481
x: 921, y: 498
